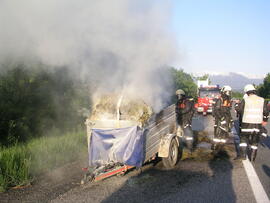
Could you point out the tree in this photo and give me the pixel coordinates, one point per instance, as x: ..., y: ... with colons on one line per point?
x: 184, y: 81
x: 264, y: 89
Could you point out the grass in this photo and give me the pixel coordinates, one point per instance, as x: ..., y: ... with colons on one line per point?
x: 14, y: 166
x: 21, y: 163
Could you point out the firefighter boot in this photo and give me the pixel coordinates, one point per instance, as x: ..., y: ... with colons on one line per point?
x: 253, y: 152
x: 243, y: 150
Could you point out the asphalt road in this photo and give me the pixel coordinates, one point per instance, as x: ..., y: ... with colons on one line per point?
x: 262, y: 162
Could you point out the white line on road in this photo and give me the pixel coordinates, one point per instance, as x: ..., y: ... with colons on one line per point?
x: 259, y: 193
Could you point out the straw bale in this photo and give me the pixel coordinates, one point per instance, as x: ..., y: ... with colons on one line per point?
x: 105, y: 107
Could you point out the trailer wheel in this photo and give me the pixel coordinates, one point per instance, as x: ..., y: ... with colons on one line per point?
x: 170, y: 161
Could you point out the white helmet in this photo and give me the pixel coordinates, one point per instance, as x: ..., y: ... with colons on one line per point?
x: 226, y: 88
x: 248, y: 88
x: 180, y: 92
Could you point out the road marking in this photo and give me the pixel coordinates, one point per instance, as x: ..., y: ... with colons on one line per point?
x: 256, y: 185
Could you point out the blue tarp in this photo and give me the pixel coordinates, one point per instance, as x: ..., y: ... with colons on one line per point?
x: 121, y: 145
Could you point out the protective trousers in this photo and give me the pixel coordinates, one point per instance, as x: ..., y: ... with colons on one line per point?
x: 249, y: 145
x: 221, y: 129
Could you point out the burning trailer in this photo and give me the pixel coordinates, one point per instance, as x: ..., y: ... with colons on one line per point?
x: 124, y: 133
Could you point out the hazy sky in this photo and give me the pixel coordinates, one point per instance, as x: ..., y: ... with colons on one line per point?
x: 223, y: 35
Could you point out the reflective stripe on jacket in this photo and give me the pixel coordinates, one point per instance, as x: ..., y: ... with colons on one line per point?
x: 253, y: 111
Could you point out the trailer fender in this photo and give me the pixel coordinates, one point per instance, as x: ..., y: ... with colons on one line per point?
x: 164, y: 146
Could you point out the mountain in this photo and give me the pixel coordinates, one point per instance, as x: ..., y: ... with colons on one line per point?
x: 236, y: 80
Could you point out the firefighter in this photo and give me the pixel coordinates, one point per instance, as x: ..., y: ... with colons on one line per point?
x: 222, y: 115
x: 184, y: 109
x: 214, y: 114
x: 236, y: 108
x: 238, y: 114
x: 255, y: 114
x: 238, y: 127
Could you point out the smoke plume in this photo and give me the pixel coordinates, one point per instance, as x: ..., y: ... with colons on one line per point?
x: 116, y: 45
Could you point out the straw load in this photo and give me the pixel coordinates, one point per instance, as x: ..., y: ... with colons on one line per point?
x: 120, y: 107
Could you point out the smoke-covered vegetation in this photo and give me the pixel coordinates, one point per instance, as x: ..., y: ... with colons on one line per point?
x: 33, y: 101
x: 37, y: 100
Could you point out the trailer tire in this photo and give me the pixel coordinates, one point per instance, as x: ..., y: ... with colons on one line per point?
x: 173, y: 157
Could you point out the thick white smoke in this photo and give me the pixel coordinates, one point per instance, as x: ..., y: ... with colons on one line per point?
x: 115, y: 44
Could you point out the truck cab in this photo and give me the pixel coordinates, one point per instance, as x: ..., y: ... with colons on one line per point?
x: 206, y: 96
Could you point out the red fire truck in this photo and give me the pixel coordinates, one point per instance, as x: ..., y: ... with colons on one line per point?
x: 206, y: 95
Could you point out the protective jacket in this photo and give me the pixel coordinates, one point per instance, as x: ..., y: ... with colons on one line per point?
x: 222, y: 108
x: 254, y: 111
x: 184, y: 111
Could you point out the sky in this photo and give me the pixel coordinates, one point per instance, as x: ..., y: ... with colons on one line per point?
x: 223, y: 36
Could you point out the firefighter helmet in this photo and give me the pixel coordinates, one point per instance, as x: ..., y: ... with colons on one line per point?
x: 180, y: 92
x: 248, y: 88
x: 226, y: 90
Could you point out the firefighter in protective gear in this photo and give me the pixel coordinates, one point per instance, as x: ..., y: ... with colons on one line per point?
x: 222, y: 115
x: 237, y: 137
x: 184, y: 110
x: 254, y: 113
